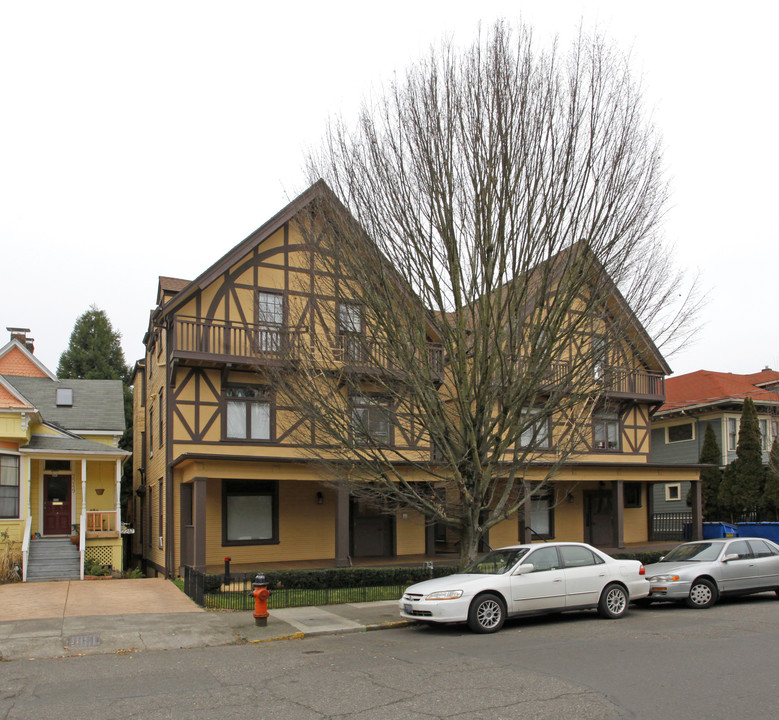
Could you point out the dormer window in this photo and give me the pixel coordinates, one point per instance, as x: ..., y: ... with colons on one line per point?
x: 64, y: 397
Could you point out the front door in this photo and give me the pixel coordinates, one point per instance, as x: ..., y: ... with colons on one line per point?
x: 56, y: 505
x: 372, y: 530
x: 598, y: 518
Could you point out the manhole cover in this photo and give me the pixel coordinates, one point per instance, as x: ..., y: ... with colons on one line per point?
x: 83, y: 641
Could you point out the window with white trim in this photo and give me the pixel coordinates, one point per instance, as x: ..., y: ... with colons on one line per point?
x: 605, y: 431
x: 535, y: 434
x: 247, y: 413
x: 9, y: 486
x: 673, y: 492
x: 350, y: 331
x: 270, y: 318
x: 371, y: 419
x: 732, y: 433
x: 680, y: 433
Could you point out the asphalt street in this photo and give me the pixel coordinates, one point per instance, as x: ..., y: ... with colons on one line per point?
x: 665, y: 661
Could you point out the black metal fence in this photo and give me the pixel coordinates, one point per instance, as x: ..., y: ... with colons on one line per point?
x: 233, y: 592
x: 670, y: 526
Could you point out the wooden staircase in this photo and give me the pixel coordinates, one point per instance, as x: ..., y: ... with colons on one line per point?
x: 53, y: 559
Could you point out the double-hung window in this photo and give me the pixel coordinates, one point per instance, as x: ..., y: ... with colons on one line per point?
x: 9, y: 486
x: 542, y: 514
x: 247, y: 413
x: 605, y: 431
x: 350, y: 331
x: 371, y: 420
x: 535, y: 432
x: 732, y: 433
x: 270, y: 319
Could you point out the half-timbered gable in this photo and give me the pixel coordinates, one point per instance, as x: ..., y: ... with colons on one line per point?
x: 223, y: 456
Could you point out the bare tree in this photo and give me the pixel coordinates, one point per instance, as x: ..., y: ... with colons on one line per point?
x: 486, y: 211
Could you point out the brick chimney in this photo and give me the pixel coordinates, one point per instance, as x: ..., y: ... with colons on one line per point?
x: 20, y: 334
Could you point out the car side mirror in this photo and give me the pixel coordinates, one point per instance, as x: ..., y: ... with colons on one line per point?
x: 524, y: 569
x: 662, y: 557
x: 729, y: 557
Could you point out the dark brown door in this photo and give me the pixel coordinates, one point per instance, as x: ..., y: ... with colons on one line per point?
x: 372, y: 530
x: 56, y: 505
x: 599, y: 518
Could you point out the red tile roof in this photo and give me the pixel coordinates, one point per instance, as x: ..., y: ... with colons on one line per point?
x: 705, y: 387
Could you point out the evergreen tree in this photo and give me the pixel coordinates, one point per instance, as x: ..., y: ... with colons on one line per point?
x: 742, y: 481
x: 710, y: 477
x: 94, y: 351
x: 770, y: 500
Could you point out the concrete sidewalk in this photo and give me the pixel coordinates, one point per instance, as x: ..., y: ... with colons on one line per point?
x: 48, y: 620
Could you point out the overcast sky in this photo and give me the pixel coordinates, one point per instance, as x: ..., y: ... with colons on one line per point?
x: 148, y: 138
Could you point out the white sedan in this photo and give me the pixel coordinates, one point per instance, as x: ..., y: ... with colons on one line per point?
x: 528, y: 579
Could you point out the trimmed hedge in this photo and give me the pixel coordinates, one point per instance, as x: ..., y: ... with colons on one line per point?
x: 352, y: 577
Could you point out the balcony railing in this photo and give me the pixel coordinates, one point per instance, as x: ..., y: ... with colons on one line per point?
x: 201, y: 339
x: 619, y: 382
x: 363, y: 354
x: 101, y: 523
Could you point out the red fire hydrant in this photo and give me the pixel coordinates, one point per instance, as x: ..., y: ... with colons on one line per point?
x: 261, y: 595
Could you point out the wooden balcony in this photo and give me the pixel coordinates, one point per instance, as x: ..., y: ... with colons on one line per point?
x: 361, y: 355
x: 216, y: 341
x: 102, y: 524
x: 620, y: 383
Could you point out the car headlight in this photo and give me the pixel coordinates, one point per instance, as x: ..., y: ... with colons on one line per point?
x: 444, y: 595
x: 664, y: 578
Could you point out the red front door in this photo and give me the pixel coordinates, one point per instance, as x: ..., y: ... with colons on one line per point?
x: 56, y: 505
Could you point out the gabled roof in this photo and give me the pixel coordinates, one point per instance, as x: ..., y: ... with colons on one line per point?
x: 168, y: 287
x: 318, y: 189
x: 16, y: 359
x: 11, y: 398
x: 98, y: 405
x: 705, y: 388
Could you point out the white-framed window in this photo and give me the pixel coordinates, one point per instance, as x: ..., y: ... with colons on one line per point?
x: 732, y: 433
x: 371, y: 419
x: 605, y: 431
x: 536, y: 434
x: 9, y: 486
x: 680, y: 433
x: 247, y: 413
x: 350, y: 331
x: 764, y: 437
x: 270, y: 318
x: 673, y: 492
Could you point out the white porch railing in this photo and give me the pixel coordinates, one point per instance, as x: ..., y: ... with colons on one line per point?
x: 26, y: 547
x: 82, y: 544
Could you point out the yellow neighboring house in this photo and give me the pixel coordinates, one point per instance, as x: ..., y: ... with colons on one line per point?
x: 220, y: 470
x: 60, y: 466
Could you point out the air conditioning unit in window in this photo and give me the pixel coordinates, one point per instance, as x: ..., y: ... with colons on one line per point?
x: 160, y: 542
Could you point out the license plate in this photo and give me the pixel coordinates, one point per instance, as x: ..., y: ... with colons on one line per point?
x: 407, y: 608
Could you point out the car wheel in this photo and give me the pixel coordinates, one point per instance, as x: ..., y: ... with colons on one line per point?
x: 486, y: 614
x: 613, y: 601
x: 703, y: 594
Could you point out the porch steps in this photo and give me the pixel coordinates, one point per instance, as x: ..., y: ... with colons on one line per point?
x: 52, y: 559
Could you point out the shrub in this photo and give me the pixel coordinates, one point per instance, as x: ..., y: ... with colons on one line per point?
x: 10, y: 559
x: 93, y: 567
x: 647, y: 558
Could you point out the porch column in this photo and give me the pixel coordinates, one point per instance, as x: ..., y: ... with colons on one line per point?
x: 697, y: 510
x: 523, y: 517
x: 342, y: 526
x: 117, y: 495
x: 83, y: 495
x: 618, y: 503
x: 199, y: 523
x: 28, y: 475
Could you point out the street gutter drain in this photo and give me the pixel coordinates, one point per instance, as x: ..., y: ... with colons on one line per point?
x: 83, y: 641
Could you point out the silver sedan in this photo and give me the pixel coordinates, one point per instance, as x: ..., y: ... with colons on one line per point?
x: 698, y: 573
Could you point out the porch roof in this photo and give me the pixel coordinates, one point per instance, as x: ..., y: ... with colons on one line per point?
x: 51, y: 444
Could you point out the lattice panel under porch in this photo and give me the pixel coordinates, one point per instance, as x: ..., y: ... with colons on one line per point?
x: 102, y: 554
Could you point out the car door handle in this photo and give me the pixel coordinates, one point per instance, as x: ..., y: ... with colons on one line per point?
x: 558, y: 580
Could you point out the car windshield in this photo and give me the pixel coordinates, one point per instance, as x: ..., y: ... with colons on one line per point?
x: 694, y: 552
x: 497, y: 562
